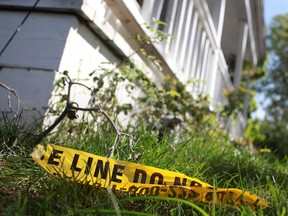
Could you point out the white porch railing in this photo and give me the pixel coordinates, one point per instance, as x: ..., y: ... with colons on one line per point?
x: 194, y: 52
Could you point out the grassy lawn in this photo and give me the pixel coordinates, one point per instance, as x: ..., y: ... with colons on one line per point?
x: 26, y: 189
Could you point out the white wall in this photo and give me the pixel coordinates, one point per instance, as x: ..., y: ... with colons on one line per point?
x: 46, y: 44
x: 29, y: 62
x: 38, y: 44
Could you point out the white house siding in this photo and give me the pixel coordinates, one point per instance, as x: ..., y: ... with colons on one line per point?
x: 83, y: 53
x: 77, y: 35
x: 34, y: 87
x: 40, y: 41
x: 49, y: 43
x: 29, y: 63
x: 46, y: 43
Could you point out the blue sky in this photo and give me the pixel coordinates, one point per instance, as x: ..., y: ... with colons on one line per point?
x: 274, y: 7
x: 271, y: 8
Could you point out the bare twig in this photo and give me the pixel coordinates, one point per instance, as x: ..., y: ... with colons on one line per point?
x: 72, y: 107
x: 9, y: 98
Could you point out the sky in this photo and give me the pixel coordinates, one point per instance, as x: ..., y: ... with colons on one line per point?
x: 274, y: 7
x: 271, y: 9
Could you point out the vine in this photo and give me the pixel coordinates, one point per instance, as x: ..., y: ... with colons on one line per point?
x: 162, y: 107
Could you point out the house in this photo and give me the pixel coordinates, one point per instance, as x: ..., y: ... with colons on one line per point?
x: 77, y: 35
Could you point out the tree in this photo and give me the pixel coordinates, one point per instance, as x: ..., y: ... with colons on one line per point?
x: 275, y: 87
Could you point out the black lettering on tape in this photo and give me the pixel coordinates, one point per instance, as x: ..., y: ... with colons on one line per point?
x: 231, y: 201
x: 133, y: 189
x: 117, y: 172
x: 193, y: 194
x: 55, y: 154
x: 154, y: 191
x: 209, y: 196
x: 144, y: 191
x: 177, y: 181
x: 114, y: 187
x: 103, y: 171
x: 195, y: 184
x: 256, y: 203
x: 137, y: 174
x: 183, y: 193
x: 88, y: 165
x: 241, y: 199
x: 164, y: 190
x: 173, y: 192
x: 123, y: 189
x: 74, y: 163
x: 157, y: 175
x: 221, y: 196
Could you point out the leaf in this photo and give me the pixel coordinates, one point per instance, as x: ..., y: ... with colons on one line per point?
x: 174, y: 93
x: 138, y: 37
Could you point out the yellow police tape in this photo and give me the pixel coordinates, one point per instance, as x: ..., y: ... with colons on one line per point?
x: 130, y: 177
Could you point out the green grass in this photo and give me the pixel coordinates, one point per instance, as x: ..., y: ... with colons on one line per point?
x: 26, y: 189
